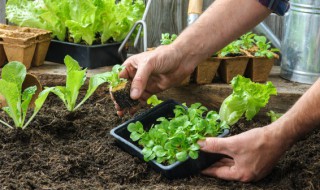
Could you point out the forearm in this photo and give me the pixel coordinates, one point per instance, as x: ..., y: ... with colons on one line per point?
x: 221, y: 23
x: 302, y: 118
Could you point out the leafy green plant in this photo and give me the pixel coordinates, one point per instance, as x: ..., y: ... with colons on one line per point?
x: 247, y: 40
x: 113, y: 77
x: 232, y: 49
x: 154, y: 101
x: 13, y: 74
x: 247, y: 98
x: 76, y: 77
x: 167, y: 39
x: 273, y: 115
x: 83, y: 21
x: 175, y: 139
x: 264, y: 48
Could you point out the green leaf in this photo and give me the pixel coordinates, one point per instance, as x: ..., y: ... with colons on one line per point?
x: 26, y: 99
x: 182, y: 156
x: 193, y: 154
x: 75, y: 80
x: 38, y: 103
x: 159, y: 150
x: 15, y: 72
x: 154, y: 101
x: 11, y: 93
x: 135, y: 136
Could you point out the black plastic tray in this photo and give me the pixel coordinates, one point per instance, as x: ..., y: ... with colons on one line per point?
x: 173, y: 171
x: 92, y: 56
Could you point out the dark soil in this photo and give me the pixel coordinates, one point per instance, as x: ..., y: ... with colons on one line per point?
x: 62, y: 150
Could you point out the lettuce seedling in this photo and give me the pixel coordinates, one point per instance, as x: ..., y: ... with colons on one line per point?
x: 13, y: 74
x: 120, y: 88
x: 167, y: 39
x: 232, y: 49
x: 247, y: 98
x: 153, y: 101
x: 264, y: 48
x: 175, y: 139
x: 247, y: 40
x: 76, y: 77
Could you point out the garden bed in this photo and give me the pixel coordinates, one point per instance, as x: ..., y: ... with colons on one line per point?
x: 60, y: 150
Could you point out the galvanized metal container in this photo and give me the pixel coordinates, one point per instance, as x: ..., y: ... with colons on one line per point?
x: 300, y: 46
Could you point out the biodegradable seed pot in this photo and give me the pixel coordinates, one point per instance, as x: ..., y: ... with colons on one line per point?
x: 206, y: 71
x: 19, y: 46
x: 231, y: 67
x: 259, y: 68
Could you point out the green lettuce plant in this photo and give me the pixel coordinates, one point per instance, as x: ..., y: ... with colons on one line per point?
x: 247, y: 98
x: 232, y: 49
x: 76, y: 77
x: 264, y: 48
x: 273, y: 115
x: 84, y: 21
x: 175, y: 139
x: 13, y: 74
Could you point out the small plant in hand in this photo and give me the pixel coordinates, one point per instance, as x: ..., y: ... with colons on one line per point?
x: 175, y: 139
x: 18, y: 100
x: 76, y: 77
x: 120, y: 88
x: 167, y: 39
x: 264, y: 48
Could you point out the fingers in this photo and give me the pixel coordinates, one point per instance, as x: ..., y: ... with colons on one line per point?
x: 225, y: 172
x: 215, y: 145
x: 139, y: 81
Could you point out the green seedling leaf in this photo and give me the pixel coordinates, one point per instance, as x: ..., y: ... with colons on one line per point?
x: 26, y: 99
x: 182, y: 156
x: 154, y: 101
x: 273, y: 115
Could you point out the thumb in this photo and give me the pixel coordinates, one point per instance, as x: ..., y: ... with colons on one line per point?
x: 140, y: 80
x: 215, y: 145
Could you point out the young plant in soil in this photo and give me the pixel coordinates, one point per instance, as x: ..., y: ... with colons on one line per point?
x: 120, y: 88
x: 264, y: 48
x: 247, y: 98
x: 175, y: 139
x: 231, y: 50
x: 76, y: 77
x: 13, y: 74
x: 247, y: 40
x: 273, y: 115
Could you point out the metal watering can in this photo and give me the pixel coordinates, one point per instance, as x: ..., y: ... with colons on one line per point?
x: 300, y: 46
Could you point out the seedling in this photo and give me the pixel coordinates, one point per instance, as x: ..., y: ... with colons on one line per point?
x: 247, y: 98
x: 76, y: 77
x: 167, y: 39
x: 233, y: 49
x: 154, y: 101
x: 175, y: 139
x: 264, y: 48
x: 120, y: 88
x: 247, y: 40
x: 18, y: 100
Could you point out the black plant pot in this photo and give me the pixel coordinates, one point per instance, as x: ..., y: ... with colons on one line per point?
x: 92, y: 56
x: 177, y: 169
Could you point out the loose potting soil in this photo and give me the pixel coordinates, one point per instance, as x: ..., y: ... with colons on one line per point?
x: 62, y: 150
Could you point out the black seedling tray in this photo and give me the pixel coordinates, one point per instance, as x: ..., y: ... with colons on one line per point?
x: 173, y: 171
x: 92, y: 56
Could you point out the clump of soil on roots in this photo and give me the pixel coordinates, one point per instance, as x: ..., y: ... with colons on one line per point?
x: 62, y: 150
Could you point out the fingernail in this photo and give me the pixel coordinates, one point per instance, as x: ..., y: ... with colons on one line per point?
x: 202, y: 143
x: 134, y: 93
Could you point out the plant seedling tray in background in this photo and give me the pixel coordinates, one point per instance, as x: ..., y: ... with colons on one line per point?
x: 91, y: 57
x: 177, y: 169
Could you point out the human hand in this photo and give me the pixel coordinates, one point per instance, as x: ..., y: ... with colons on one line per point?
x: 253, y: 154
x: 154, y: 71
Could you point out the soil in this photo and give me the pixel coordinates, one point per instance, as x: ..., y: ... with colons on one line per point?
x: 62, y: 150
